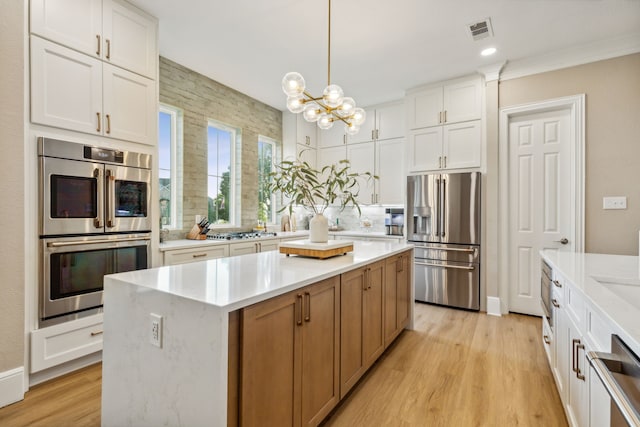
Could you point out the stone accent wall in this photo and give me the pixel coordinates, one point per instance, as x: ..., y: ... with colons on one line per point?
x: 200, y: 99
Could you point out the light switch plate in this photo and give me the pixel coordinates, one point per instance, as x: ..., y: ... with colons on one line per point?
x: 619, y: 202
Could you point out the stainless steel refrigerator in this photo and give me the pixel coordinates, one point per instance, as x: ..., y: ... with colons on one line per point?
x: 443, y: 221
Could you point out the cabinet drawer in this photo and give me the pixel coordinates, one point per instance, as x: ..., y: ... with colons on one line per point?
x: 64, y: 342
x: 547, y: 341
x: 191, y: 255
x: 598, y: 331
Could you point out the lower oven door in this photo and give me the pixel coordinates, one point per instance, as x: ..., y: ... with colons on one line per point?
x: 72, y: 270
x: 455, y: 284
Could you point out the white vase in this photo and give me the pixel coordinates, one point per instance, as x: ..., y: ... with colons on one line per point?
x: 319, y: 229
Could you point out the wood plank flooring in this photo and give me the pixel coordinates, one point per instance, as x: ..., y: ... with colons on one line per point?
x: 457, y: 368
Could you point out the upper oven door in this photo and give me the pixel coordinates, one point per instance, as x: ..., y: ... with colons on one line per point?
x: 71, y: 197
x: 128, y: 199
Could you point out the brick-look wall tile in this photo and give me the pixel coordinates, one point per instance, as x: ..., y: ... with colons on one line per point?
x: 201, y: 98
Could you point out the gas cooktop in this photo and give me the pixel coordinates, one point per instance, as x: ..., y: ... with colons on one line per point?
x: 242, y: 235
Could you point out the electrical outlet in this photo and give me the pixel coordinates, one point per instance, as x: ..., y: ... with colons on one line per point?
x: 614, y: 202
x: 156, y: 330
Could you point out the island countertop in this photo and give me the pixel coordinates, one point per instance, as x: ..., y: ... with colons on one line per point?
x: 611, y: 283
x: 235, y: 282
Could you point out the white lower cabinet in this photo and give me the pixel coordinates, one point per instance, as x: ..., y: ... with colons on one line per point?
x: 67, y: 341
x: 577, y: 403
x: 182, y: 256
x: 253, y: 247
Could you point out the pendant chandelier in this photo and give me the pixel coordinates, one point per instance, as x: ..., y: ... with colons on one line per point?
x: 331, y: 107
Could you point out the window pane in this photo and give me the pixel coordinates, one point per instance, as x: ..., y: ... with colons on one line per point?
x: 265, y: 167
x: 219, y: 175
x: 165, y: 134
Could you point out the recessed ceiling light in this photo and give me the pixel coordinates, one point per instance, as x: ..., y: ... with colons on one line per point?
x: 488, y: 51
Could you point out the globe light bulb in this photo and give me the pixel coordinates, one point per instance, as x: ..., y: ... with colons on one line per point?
x: 311, y: 112
x: 325, y: 121
x: 359, y: 116
x: 347, y: 107
x: 293, y: 84
x: 351, y: 128
x: 333, y: 96
x: 295, y: 103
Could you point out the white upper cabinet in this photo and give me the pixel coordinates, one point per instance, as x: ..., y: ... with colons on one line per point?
x: 425, y: 149
x: 454, y: 102
x: 461, y: 145
x: 306, y: 154
x: 333, y: 137
x: 390, y: 170
x: 384, y: 121
x: 111, y: 30
x: 367, y: 129
x: 296, y: 130
x: 362, y: 160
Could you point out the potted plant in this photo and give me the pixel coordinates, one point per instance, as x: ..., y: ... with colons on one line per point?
x: 316, y: 190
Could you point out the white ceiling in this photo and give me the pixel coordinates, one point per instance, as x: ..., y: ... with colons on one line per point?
x: 379, y: 48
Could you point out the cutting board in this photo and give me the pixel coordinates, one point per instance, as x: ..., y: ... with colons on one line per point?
x: 316, y: 250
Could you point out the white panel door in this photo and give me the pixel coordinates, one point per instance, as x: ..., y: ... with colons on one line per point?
x: 390, y: 156
x: 463, y: 101
x: 72, y: 23
x: 424, y: 108
x: 130, y: 106
x: 539, y: 200
x: 331, y: 156
x: 362, y: 158
x: 66, y: 88
x: 390, y: 121
x: 461, y: 145
x: 425, y: 149
x: 367, y: 128
x: 130, y: 38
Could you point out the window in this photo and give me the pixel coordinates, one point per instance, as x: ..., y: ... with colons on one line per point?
x: 168, y: 150
x: 266, y: 200
x: 221, y: 173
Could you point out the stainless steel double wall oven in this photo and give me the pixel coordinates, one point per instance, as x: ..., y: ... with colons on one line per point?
x: 94, y: 219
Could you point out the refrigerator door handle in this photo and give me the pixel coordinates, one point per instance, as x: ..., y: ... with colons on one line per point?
x: 439, y: 207
x: 443, y: 207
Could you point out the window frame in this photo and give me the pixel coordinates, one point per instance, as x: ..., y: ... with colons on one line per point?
x: 174, y: 114
x: 274, y: 147
x: 233, y: 169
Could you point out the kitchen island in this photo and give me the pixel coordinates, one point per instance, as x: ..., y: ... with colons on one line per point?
x: 225, y: 330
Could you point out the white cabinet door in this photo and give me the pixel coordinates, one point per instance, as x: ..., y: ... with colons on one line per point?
x: 390, y: 170
x: 578, y: 390
x: 424, y: 108
x: 367, y: 129
x: 72, y: 23
x: 306, y: 154
x: 129, y: 105
x: 243, y: 248
x: 333, y: 137
x: 182, y: 256
x: 331, y: 156
x: 425, y: 149
x: 599, y: 401
x: 362, y: 158
x: 390, y: 121
x: 462, y: 101
x: 461, y: 147
x: 268, y: 245
x: 130, y: 38
x: 562, y: 364
x: 66, y: 88
x: 306, y: 132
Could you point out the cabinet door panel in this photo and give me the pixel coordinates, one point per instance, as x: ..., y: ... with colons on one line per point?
x: 461, y: 145
x: 66, y: 88
x: 242, y: 248
x: 320, y: 350
x: 270, y: 394
x: 306, y: 154
x: 75, y: 24
x: 306, y: 132
x: 351, y: 329
x: 390, y: 121
x: 269, y: 245
x: 334, y: 137
x: 129, y: 101
x: 362, y: 158
x: 130, y: 38
x: 424, y: 108
x: 425, y: 149
x: 373, y: 328
x: 331, y: 156
x: 366, y: 129
x: 463, y: 101
x: 403, y: 284
x: 390, y: 170
x: 391, y: 300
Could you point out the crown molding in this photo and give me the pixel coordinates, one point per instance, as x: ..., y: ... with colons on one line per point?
x: 492, y: 72
x: 569, y: 57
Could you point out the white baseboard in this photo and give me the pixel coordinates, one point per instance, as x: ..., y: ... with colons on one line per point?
x: 493, y: 306
x: 11, y: 386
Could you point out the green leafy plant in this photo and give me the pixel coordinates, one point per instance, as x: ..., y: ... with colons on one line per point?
x: 316, y: 190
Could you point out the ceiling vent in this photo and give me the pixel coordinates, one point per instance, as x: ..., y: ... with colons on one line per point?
x: 481, y: 30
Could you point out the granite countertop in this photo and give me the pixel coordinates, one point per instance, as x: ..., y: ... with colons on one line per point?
x: 235, y: 282
x: 611, y: 283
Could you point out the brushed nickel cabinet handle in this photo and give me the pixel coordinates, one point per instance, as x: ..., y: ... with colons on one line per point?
x: 98, y: 129
x: 440, y: 117
x: 573, y: 355
x: 555, y: 303
x: 108, y: 49
x: 307, y: 317
x: 93, y: 334
x: 198, y: 255
x: 108, y: 117
x: 445, y: 116
x: 440, y: 162
x: 445, y: 161
x: 298, y: 307
x: 546, y: 339
x: 99, y: 43
x: 579, y: 374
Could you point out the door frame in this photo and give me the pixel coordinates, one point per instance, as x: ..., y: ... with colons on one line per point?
x: 576, y: 106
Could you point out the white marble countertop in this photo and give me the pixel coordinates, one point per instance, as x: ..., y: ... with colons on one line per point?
x: 611, y: 283
x: 235, y: 282
x: 186, y: 244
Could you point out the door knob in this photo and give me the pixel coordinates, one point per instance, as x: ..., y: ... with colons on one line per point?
x: 564, y: 241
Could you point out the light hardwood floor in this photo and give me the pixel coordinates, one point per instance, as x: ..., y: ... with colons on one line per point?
x: 457, y: 368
